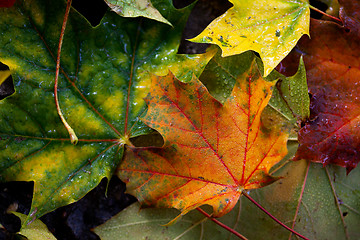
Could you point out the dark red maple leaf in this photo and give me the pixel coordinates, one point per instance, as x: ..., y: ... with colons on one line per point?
x: 332, y: 59
x: 7, y: 3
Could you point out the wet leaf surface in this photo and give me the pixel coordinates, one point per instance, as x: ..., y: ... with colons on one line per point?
x: 139, y: 8
x: 332, y: 133
x: 212, y: 152
x: 105, y: 73
x: 271, y: 28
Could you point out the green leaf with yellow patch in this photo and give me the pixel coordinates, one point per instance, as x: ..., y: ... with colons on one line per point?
x: 271, y: 28
x: 138, y: 8
x: 105, y: 74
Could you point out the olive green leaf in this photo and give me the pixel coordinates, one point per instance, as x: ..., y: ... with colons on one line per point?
x: 136, y: 223
x: 291, y: 98
x: 105, y: 74
x: 37, y: 230
x: 269, y: 27
x: 137, y: 8
x: 290, y: 102
x: 328, y: 208
x: 333, y: 7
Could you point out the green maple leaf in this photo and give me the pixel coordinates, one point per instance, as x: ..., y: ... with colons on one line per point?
x: 137, y: 8
x: 105, y: 73
x: 271, y: 28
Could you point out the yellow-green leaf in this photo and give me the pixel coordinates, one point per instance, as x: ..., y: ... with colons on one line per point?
x: 37, y: 230
x: 137, y: 8
x: 269, y: 27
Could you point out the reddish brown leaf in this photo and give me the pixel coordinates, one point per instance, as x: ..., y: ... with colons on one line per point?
x: 212, y: 152
x: 332, y: 59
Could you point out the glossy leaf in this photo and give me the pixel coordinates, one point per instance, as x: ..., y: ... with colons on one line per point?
x: 291, y: 97
x: 212, y: 152
x: 37, y: 230
x: 105, y: 73
x: 270, y: 27
x: 137, y: 8
x: 332, y: 134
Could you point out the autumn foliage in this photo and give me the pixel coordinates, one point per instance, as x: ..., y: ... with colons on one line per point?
x: 212, y: 152
x: 331, y: 134
x: 267, y: 95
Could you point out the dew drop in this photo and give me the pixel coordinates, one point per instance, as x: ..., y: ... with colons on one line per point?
x: 277, y: 33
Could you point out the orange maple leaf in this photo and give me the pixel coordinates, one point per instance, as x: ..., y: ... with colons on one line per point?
x: 212, y: 152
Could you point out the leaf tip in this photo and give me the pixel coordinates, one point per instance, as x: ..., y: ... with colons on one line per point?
x: 177, y: 218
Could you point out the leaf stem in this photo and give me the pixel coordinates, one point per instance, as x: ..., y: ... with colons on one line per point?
x: 271, y: 216
x: 73, y: 137
x: 325, y: 14
x: 221, y: 224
